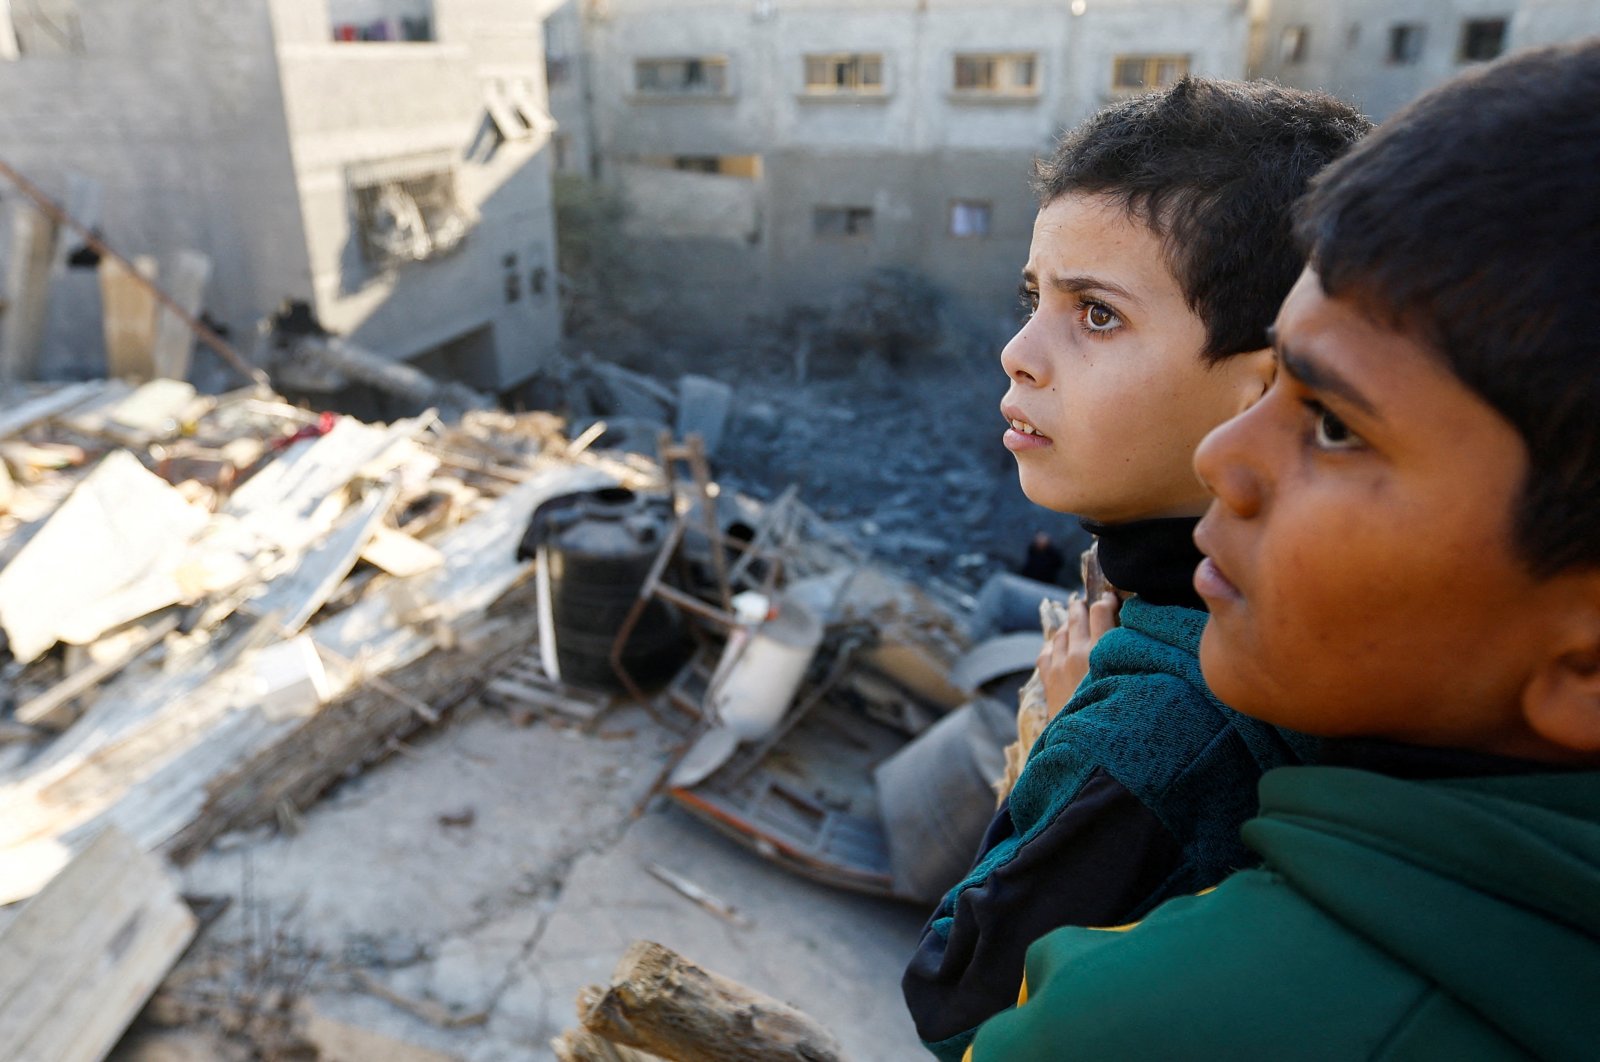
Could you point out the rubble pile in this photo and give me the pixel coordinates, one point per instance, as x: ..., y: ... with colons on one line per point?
x: 218, y: 607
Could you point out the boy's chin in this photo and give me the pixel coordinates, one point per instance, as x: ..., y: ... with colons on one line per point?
x: 1233, y: 681
x: 1050, y: 496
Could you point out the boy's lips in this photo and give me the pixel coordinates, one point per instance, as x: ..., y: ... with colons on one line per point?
x: 1210, y: 581
x: 1021, y: 434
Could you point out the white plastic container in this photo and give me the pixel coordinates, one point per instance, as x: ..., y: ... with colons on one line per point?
x: 758, y: 684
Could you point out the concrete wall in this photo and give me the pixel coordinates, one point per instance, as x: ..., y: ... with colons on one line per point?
x: 1347, y: 50
x: 354, y: 105
x: 228, y: 126
x: 906, y: 152
x: 174, y: 107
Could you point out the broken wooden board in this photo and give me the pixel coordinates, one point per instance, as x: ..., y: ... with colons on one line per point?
x: 294, y: 501
x: 524, y: 684
x: 174, y: 341
x: 400, y: 554
x: 175, y: 769
x: 80, y: 960
x: 108, y: 555
x: 27, y: 241
x: 296, y: 596
x: 52, y: 708
x: 137, y: 417
x: 20, y: 418
x: 129, y: 300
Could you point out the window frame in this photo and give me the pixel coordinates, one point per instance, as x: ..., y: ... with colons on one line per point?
x: 1152, y: 63
x: 1400, y: 33
x: 707, y: 62
x: 833, y: 61
x: 1468, y: 25
x: 987, y: 207
x: 851, y: 213
x: 1004, y: 85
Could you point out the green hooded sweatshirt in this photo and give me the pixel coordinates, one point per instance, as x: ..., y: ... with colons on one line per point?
x: 1391, y: 919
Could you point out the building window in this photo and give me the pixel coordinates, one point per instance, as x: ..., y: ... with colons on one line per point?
x: 997, y: 75
x: 408, y: 210
x: 745, y: 166
x: 40, y: 28
x: 681, y: 77
x: 1293, y: 44
x: 1482, y: 39
x: 842, y: 223
x: 828, y: 75
x: 1405, y: 42
x: 970, y: 217
x: 384, y: 20
x: 697, y: 163
x: 1145, y: 73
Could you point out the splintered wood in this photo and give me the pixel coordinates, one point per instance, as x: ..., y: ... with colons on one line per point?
x: 662, y: 1003
x: 234, y: 661
x: 81, y: 959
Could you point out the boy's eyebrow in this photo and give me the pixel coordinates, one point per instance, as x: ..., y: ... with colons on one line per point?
x: 1320, y: 377
x: 1080, y: 282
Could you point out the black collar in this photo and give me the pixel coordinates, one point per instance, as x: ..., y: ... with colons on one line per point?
x: 1152, y: 558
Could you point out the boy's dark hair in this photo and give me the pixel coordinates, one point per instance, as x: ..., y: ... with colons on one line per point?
x: 1214, y: 168
x: 1471, y: 220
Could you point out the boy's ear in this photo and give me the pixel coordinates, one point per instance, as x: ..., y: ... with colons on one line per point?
x: 1562, y: 701
x: 1254, y: 372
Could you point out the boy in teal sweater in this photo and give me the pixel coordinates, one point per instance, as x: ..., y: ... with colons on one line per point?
x: 1161, y: 250
x: 1403, y: 556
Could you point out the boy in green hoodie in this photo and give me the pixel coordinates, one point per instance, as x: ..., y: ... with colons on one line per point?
x: 1403, y: 557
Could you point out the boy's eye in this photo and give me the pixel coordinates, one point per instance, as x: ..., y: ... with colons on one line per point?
x: 1029, y: 298
x: 1331, y: 432
x: 1098, y: 317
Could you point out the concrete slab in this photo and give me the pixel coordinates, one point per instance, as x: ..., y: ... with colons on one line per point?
x: 491, y: 871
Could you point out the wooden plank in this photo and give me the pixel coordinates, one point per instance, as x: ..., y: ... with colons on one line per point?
x: 51, y: 709
x: 80, y: 961
x: 400, y: 554
x: 174, y: 767
x: 20, y: 418
x: 130, y: 314
x: 297, y: 596
x: 26, y: 242
x: 174, y: 342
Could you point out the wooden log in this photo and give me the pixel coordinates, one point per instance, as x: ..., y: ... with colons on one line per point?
x: 660, y: 1002
x: 581, y: 1045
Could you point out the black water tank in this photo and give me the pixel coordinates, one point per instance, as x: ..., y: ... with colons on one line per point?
x: 599, y: 545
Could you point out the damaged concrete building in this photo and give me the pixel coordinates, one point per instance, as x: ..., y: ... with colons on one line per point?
x: 772, y: 149
x: 383, y: 161
x: 1380, y: 55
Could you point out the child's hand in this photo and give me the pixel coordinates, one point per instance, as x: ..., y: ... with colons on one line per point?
x: 1064, y: 660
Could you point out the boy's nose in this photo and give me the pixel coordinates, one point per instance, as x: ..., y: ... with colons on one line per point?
x: 1223, y: 461
x: 1023, y: 361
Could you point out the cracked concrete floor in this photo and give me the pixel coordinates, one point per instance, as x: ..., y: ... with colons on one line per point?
x: 493, y: 870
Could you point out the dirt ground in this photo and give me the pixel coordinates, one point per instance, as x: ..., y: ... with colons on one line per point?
x: 490, y: 871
